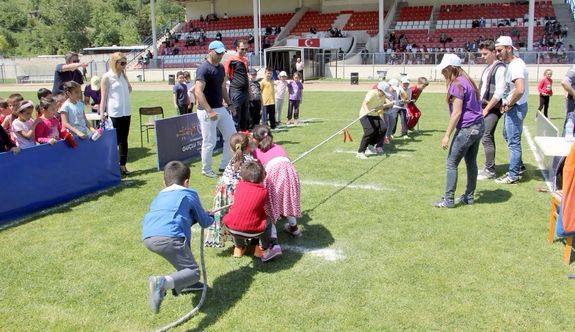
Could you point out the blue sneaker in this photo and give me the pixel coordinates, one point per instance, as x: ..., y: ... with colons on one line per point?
x: 157, y: 292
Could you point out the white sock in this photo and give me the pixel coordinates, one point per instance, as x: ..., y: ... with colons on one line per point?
x: 169, y: 282
x: 274, y: 232
x: 292, y: 221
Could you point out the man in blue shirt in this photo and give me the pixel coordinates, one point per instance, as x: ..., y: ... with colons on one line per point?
x: 70, y: 71
x: 166, y: 231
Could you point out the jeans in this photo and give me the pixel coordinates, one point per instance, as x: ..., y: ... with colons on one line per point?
x: 465, y: 145
x: 209, y: 128
x: 403, y: 118
x: 122, y: 126
x: 390, y: 119
x: 512, y: 134
x: 264, y: 237
x: 373, y: 132
x: 488, y: 141
x: 176, y: 251
x: 279, y: 106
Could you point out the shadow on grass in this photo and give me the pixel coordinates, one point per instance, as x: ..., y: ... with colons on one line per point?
x: 286, y: 143
x: 531, y: 174
x: 141, y: 172
x: 359, y: 176
x: 227, y: 290
x: 135, y: 154
x: 68, y: 206
x: 428, y: 132
x: 493, y: 196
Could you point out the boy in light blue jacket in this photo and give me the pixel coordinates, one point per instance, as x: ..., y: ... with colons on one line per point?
x: 166, y: 231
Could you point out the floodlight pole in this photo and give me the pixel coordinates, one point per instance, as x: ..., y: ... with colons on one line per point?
x: 381, y: 32
x: 257, y: 29
x: 154, y: 35
x: 531, y: 26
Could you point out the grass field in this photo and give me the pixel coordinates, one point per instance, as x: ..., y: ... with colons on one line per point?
x: 374, y: 254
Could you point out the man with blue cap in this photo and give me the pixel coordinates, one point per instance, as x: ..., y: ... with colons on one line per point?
x: 211, y: 94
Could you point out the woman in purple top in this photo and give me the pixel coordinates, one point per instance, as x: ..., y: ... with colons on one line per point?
x: 466, y: 119
x: 295, y: 88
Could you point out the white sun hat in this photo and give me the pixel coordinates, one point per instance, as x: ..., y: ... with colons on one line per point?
x: 449, y: 59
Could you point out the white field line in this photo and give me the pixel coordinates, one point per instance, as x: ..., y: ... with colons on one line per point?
x: 330, y: 255
x: 373, y: 187
x: 538, y: 158
x: 400, y: 155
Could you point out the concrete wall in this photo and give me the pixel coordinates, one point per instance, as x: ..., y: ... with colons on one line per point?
x: 359, y: 5
x: 414, y: 71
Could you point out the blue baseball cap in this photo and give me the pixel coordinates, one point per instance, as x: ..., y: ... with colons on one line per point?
x: 217, y: 46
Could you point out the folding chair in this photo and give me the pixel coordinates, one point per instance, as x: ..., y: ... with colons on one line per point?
x: 148, y: 111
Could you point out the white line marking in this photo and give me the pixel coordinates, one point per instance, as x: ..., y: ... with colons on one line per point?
x: 331, y: 255
x: 400, y: 155
x: 538, y: 158
x: 346, y: 185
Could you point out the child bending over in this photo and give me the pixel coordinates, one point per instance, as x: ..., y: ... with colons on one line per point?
x: 166, y: 231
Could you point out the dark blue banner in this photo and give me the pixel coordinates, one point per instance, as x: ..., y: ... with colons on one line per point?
x: 180, y: 138
x: 47, y: 175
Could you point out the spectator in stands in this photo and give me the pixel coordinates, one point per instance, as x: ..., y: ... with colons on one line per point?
x: 364, y: 56
x: 92, y: 94
x: 313, y: 30
x: 482, y: 22
x: 299, y: 66
x: 491, y: 88
x: 202, y: 18
x: 268, y: 30
x: 443, y: 39
x: 176, y: 50
x: 514, y: 106
x: 475, y: 24
x: 564, y: 31
x: 219, y: 36
x: 467, y: 122
x: 202, y: 38
x: 210, y: 92
x: 115, y: 103
x: 72, y: 70
x: 236, y: 69
x: 180, y: 92
x: 545, y: 88
x: 226, y: 16
x: 149, y: 55
x: 278, y: 30
x: 251, y: 39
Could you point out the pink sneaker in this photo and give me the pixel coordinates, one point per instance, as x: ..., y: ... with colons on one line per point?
x: 293, y: 230
x: 271, y: 253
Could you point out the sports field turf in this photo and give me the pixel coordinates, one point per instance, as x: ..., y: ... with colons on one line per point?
x: 374, y: 254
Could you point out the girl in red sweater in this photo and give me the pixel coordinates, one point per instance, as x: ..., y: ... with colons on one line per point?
x: 545, y: 91
x: 49, y: 129
x: 247, y: 218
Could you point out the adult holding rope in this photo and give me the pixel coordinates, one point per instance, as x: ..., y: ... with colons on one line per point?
x: 466, y: 120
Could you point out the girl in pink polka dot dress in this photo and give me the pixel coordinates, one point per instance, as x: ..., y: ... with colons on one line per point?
x: 282, y: 181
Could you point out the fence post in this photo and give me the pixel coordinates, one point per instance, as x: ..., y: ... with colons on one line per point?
x: 538, y: 63
x: 163, y: 73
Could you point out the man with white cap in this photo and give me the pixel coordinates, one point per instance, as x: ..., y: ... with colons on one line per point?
x: 514, y: 107
x: 211, y: 92
x: 372, y: 108
x: 466, y: 119
x: 236, y: 67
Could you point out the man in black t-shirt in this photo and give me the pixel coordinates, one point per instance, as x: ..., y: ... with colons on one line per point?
x: 70, y: 71
x: 236, y: 68
x: 210, y: 93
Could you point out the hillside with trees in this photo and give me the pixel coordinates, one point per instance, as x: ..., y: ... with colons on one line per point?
x: 34, y: 27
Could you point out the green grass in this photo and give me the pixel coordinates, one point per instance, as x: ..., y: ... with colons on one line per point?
x: 405, y: 264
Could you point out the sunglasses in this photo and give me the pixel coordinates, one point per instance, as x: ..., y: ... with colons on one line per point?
x: 122, y: 63
x: 244, y: 49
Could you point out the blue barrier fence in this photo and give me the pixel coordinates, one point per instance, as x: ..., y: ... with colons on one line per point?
x: 47, y: 175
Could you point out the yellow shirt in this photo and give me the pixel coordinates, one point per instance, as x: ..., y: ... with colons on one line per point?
x: 268, y: 92
x: 373, y: 100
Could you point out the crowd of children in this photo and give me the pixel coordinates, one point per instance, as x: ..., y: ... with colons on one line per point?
x: 380, y: 110
x: 25, y: 124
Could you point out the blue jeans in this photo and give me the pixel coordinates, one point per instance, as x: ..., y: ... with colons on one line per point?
x: 512, y: 134
x: 465, y: 145
x: 390, y: 118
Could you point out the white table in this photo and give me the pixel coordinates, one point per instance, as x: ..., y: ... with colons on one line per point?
x: 93, y: 117
x: 553, y: 146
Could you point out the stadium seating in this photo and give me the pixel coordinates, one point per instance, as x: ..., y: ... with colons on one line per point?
x: 320, y: 21
x: 493, y: 10
x: 238, y: 22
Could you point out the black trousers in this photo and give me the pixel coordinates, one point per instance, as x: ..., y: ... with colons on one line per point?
x: 544, y: 104
x: 122, y: 126
x: 269, y: 113
x: 240, y: 99
x: 183, y: 109
x: 373, y: 132
x: 255, y: 112
x: 293, y: 109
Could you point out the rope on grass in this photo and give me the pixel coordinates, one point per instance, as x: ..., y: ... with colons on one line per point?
x: 325, y: 141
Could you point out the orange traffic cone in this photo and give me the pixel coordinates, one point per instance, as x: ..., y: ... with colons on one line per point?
x: 347, y: 136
